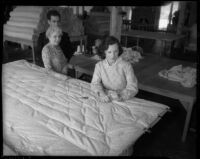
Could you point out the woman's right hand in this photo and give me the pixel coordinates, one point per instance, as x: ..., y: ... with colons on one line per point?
x: 103, y: 97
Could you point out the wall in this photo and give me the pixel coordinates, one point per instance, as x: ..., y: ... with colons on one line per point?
x: 148, y: 13
x: 193, y: 13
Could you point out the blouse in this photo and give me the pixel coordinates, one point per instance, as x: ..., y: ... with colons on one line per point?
x: 53, y: 58
x: 117, y: 77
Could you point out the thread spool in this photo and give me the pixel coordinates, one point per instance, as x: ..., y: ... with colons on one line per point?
x: 83, y: 48
x: 78, y: 49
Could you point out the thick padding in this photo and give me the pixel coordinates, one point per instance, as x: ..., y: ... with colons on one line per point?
x: 47, y: 114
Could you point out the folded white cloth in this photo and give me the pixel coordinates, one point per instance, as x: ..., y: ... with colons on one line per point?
x: 131, y: 55
x: 18, y: 35
x: 185, y: 75
x: 26, y: 14
x: 28, y: 8
x: 24, y: 19
x: 17, y: 29
x: 23, y: 24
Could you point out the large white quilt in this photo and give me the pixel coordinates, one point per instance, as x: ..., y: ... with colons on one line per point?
x: 49, y: 114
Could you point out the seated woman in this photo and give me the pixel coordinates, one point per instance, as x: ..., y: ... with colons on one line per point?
x: 52, y: 55
x: 113, y: 78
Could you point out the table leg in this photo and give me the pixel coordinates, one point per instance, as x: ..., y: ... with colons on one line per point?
x: 33, y: 53
x: 162, y: 47
x: 137, y: 42
x: 126, y: 41
x: 85, y: 42
x: 76, y: 73
x: 188, y: 106
x: 81, y: 45
x: 171, y: 48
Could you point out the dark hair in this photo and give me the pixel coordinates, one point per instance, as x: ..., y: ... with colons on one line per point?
x: 109, y: 40
x: 53, y: 13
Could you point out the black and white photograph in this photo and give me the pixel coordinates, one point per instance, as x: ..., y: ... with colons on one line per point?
x: 100, y: 80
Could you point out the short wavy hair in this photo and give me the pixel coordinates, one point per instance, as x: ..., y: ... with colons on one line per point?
x: 51, y: 30
x: 109, y: 40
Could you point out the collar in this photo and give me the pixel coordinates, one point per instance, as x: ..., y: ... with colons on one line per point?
x: 106, y: 62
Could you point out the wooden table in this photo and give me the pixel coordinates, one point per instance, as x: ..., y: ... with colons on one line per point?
x: 30, y: 43
x: 162, y: 36
x: 146, y: 71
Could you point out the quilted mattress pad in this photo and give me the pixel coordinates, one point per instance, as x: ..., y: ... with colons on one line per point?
x: 46, y: 113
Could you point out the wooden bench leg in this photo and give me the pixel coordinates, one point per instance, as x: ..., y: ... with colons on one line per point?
x: 188, y: 106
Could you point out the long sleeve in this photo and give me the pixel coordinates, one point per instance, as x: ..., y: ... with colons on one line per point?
x: 96, y: 83
x: 132, y: 84
x: 46, y: 58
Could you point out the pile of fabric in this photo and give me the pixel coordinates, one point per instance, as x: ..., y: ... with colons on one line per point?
x: 131, y: 55
x: 25, y: 22
x: 185, y: 75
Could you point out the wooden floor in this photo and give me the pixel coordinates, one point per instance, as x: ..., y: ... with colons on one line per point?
x: 164, y: 140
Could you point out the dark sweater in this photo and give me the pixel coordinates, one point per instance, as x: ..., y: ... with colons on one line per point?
x: 65, y: 45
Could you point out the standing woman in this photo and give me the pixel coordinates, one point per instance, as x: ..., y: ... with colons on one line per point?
x: 113, y: 78
x: 52, y: 55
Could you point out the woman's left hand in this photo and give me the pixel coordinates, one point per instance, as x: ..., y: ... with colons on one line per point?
x: 126, y: 94
x: 114, y: 95
x: 65, y: 70
x: 104, y: 98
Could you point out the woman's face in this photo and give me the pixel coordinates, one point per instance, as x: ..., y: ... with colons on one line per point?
x: 55, y: 38
x: 112, y: 53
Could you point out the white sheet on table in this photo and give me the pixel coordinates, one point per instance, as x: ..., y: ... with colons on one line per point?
x: 65, y: 111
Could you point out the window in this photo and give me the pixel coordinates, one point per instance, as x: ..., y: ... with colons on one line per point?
x: 166, y: 14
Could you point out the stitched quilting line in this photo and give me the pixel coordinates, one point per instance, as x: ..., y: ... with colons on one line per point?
x: 52, y: 100
x: 72, y: 128
x: 27, y: 90
x: 77, y: 89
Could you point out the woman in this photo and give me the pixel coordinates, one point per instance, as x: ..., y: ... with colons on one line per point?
x: 52, y: 55
x: 113, y: 78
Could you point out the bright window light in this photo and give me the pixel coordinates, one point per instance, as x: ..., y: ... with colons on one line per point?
x: 164, y: 14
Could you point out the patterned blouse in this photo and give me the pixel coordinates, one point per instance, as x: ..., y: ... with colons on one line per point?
x: 117, y: 77
x: 53, y: 58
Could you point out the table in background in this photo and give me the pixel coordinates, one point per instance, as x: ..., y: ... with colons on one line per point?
x: 146, y: 71
x: 30, y: 43
x: 162, y: 36
x: 82, y: 39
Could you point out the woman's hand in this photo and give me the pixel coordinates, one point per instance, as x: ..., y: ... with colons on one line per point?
x: 65, y: 70
x: 102, y: 97
x: 114, y: 95
x: 126, y: 94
